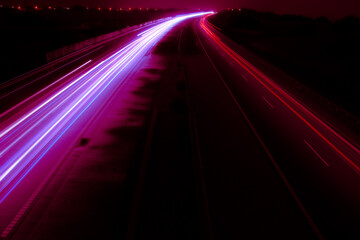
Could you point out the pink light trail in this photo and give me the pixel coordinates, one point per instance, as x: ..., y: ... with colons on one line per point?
x: 26, y: 139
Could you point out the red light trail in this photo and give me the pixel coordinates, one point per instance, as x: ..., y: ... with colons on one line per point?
x: 350, y: 155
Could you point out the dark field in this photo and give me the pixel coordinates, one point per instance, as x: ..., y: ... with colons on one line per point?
x: 27, y: 35
x: 322, y: 54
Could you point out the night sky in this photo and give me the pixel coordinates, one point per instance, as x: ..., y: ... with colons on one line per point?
x: 314, y: 8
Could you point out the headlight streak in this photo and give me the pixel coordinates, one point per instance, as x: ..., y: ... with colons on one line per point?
x: 27, y: 139
x: 56, y: 95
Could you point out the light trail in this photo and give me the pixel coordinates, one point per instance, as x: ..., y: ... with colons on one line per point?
x: 47, y: 74
x: 25, y: 140
x: 346, y: 150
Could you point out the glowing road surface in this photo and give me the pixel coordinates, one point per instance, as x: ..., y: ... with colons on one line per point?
x: 27, y: 135
x: 342, y: 147
x: 319, y: 164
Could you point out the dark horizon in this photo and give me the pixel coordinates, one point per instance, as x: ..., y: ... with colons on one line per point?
x: 331, y: 9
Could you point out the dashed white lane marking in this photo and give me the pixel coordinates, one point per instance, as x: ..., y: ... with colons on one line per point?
x: 268, y: 102
x: 244, y: 77
x: 317, y: 154
x: 24, y: 209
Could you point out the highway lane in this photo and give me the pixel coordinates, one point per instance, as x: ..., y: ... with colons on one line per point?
x: 46, y: 167
x: 319, y: 163
x: 21, y: 88
x: 316, y: 163
x: 246, y: 197
x: 37, y: 133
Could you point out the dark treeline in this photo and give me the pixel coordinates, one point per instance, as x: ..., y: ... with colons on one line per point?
x: 27, y: 35
x: 322, y: 54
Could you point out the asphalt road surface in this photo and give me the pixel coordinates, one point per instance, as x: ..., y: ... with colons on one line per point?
x: 255, y: 162
x: 319, y: 166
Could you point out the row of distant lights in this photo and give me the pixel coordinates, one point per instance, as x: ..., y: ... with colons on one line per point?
x: 87, y: 8
x: 232, y: 9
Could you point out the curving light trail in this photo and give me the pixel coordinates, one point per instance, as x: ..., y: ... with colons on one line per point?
x: 27, y: 138
x: 347, y: 151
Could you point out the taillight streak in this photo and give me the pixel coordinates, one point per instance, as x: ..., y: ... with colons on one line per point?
x: 255, y: 73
